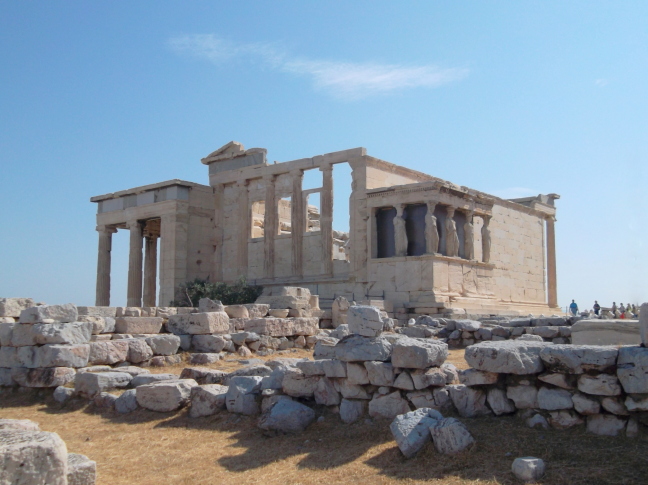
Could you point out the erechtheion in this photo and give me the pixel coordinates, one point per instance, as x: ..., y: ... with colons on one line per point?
x: 415, y: 241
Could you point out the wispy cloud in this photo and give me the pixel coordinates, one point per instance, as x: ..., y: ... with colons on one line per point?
x: 341, y: 79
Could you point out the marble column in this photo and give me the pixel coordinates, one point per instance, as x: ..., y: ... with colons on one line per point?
x: 244, y: 226
x: 298, y: 222
x: 270, y: 227
x: 452, y: 239
x: 469, y: 237
x: 486, y: 239
x: 552, y: 286
x: 431, y: 230
x: 150, y: 269
x: 326, y: 218
x: 134, y: 295
x: 400, y: 233
x: 102, y: 297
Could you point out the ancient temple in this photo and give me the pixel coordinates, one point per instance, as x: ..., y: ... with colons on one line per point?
x: 415, y: 241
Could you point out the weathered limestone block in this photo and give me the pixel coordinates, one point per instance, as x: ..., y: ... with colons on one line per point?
x: 237, y: 311
x: 204, y: 358
x: 287, y: 416
x: 81, y: 470
x: 637, y: 403
x: 203, y: 375
x: 138, y: 350
x: 325, y: 348
x: 32, y: 458
x: 18, y: 425
x: 167, y: 344
x: 143, y: 379
x: 474, y: 377
x: 537, y: 421
x: 207, y: 400
x: 600, y: 385
x: 334, y: 368
x: 6, y: 331
x: 109, y: 352
x: 356, y: 348
x: 208, y: 343
x: 138, y: 324
x: 47, y: 377
x: 49, y: 314
x: 53, y: 333
x: 559, y: 380
x: 9, y: 357
x: 412, y: 353
x: 97, y: 311
x: 12, y: 307
x: 98, y: 324
x: 470, y: 402
x: 275, y: 327
x: 352, y: 410
x: 614, y: 405
x: 22, y: 335
x: 546, y: 332
x: 257, y: 310
x: 296, y: 384
x: 105, y: 400
x: 165, y: 396
x: 528, y: 468
x: 62, y: 394
x: 432, y: 377
x: 127, y: 402
x: 404, y: 381
x: 311, y: 367
x: 577, y: 359
x: 242, y: 395
x: 339, y: 311
x: 351, y: 391
x: 198, y: 323
x: 90, y: 383
x: 325, y: 392
x: 632, y: 368
x: 585, y: 405
x: 365, y: 320
x: 54, y: 355
x: 205, y: 305
x: 498, y: 402
x: 524, y: 397
x: 249, y: 370
x: 412, y: 430
x: 380, y: 373
x: 5, y: 377
x: 605, y: 424
x: 357, y: 374
x: 388, y: 406
x: 450, y: 436
x: 554, y: 399
x: 133, y: 370
x: 507, y: 357
x: 564, y: 419
x: 468, y: 325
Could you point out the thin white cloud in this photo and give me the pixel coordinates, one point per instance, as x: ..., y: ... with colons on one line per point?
x: 341, y: 79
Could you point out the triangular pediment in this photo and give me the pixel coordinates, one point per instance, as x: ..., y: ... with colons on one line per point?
x: 229, y: 150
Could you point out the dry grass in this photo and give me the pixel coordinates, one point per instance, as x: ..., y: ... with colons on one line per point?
x: 170, y: 448
x: 456, y: 357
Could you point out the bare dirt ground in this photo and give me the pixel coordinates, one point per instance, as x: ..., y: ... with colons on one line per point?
x: 170, y: 448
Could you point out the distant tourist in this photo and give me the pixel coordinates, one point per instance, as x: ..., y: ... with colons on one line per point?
x: 573, y: 308
x: 614, y: 308
x: 622, y: 308
x: 597, y: 307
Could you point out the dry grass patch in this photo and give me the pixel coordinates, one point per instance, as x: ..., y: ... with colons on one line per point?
x: 169, y: 448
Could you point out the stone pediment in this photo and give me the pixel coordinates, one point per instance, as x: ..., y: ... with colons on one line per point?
x: 233, y: 156
x: 226, y: 152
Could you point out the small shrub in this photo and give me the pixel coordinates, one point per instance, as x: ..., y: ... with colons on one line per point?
x: 239, y: 293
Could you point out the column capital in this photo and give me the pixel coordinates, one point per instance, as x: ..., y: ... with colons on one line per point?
x: 450, y: 210
x: 550, y: 218
x: 297, y: 172
x: 431, y: 205
x: 108, y: 229
x: 326, y: 167
x: 134, y: 224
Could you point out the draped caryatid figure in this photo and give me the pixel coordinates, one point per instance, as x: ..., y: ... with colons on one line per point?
x: 400, y: 233
x: 469, y: 237
x: 452, y: 239
x: 486, y: 240
x: 431, y: 230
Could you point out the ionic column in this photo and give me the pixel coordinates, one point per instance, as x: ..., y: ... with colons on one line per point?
x: 270, y: 227
x: 486, y: 239
x: 326, y: 218
x: 102, y: 297
x: 298, y: 222
x: 431, y: 231
x: 150, y: 270
x: 243, y: 227
x: 452, y: 239
x: 552, y: 285
x: 134, y: 294
x: 400, y: 233
x: 469, y: 237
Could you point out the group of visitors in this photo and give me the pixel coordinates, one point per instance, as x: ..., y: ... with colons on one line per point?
x: 622, y: 311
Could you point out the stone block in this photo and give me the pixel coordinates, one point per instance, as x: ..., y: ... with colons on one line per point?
x: 554, y: 399
x: 325, y: 392
x: 380, y: 373
x: 524, y: 396
x: 325, y: 348
x: 18, y: 425
x: 564, y: 419
x: 296, y: 384
x: 334, y: 368
x: 287, y: 416
x: 357, y: 374
x: 143, y: 379
x: 424, y: 378
x: 563, y: 381
x: 203, y: 375
x: 49, y: 314
x: 62, y: 394
x: 166, y: 344
x: 474, y: 377
x: 109, y: 352
x: 605, y: 424
x: 199, y: 323
x: 632, y: 369
x: 257, y: 310
x: 606, y: 332
x: 165, y: 396
x: 90, y: 383
x: 5, y: 377
x: 6, y: 331
x: 507, y: 357
x: 450, y: 436
x: 528, y: 468
x: 207, y: 399
x: 55, y: 333
x: 577, y: 359
x: 498, y: 402
x: 54, y: 355
x: 97, y: 311
x: 138, y: 350
x: 204, y: 358
x: 412, y: 430
x: 138, y: 324
x: 352, y: 410
x: 32, y: 457
x: 469, y: 402
x: 81, y: 470
x: 412, y: 353
x: 242, y: 395
x: 12, y: 307
x: 44, y: 377
x: 614, y: 405
x: 365, y: 321
x: 585, y: 405
x: 404, y: 381
x: 208, y: 343
x: 205, y: 305
x: 599, y: 385
x: 311, y: 368
x: 356, y: 348
x: 388, y: 406
x: 127, y: 402
x: 9, y: 357
x: 352, y: 391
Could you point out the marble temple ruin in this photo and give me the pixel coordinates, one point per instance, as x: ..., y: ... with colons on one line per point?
x: 422, y: 244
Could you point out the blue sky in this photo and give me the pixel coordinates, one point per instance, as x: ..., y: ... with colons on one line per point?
x: 512, y: 98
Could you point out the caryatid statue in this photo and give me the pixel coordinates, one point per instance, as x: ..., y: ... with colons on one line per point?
x: 400, y: 234
x: 469, y: 237
x: 486, y: 239
x: 452, y: 239
x: 431, y: 231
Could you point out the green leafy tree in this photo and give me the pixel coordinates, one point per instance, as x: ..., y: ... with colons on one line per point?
x: 189, y: 294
